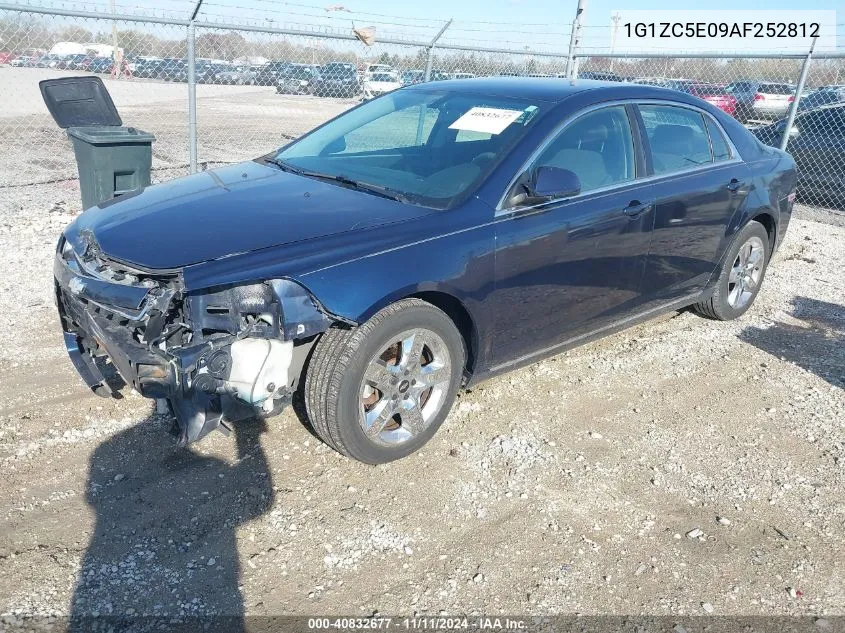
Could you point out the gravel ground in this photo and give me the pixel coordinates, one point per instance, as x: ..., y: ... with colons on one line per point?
x: 681, y: 467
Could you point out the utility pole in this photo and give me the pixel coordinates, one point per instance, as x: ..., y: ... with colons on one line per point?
x: 429, y: 59
x: 192, y: 88
x: 790, y: 119
x: 575, y: 41
x: 615, y: 18
x: 117, y: 68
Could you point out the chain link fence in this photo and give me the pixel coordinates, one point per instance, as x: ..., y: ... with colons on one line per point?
x: 255, y: 87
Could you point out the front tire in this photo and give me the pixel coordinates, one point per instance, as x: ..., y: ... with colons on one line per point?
x: 379, y: 392
x: 741, y: 276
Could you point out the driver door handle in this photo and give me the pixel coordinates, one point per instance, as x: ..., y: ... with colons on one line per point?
x: 636, y: 208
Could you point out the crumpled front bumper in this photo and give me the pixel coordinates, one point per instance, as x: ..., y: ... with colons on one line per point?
x: 237, y: 358
x: 96, y: 317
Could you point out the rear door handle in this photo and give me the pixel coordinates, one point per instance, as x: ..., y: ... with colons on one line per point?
x: 636, y: 208
x: 735, y: 186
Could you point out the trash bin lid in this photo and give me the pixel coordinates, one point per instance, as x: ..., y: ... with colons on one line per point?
x: 111, y: 135
x: 79, y: 101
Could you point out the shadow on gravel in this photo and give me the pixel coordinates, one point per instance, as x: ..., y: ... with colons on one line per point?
x: 818, y: 345
x: 164, y: 547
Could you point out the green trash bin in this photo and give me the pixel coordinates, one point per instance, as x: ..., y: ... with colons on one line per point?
x: 111, y: 159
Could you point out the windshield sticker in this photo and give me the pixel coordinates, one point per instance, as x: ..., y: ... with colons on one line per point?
x: 489, y: 120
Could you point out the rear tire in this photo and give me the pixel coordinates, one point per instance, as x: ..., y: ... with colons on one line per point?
x: 379, y: 392
x: 742, y: 274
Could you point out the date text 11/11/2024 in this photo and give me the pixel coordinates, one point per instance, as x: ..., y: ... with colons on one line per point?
x: 422, y: 623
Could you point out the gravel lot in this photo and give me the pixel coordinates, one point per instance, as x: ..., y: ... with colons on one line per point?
x: 677, y: 467
x: 681, y: 467
x: 233, y: 123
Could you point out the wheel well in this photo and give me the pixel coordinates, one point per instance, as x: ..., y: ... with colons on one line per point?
x: 460, y: 316
x: 771, y: 228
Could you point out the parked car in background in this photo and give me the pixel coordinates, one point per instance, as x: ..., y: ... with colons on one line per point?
x: 760, y: 100
x: 438, y: 74
x: 48, y: 61
x: 712, y: 93
x: 268, y: 74
x: 83, y: 63
x: 239, y: 76
x: 102, y: 65
x: 298, y: 79
x: 206, y: 72
x: 6, y: 57
x: 338, y: 79
x: 59, y: 62
x: 147, y: 67
x: 24, y: 61
x: 461, y: 76
x: 411, y: 77
x: 369, y: 69
x: 73, y: 62
x: 378, y: 84
x: 826, y: 95
x: 599, y: 75
x: 172, y: 69
x: 816, y: 142
x: 652, y: 81
x: 166, y: 69
x: 377, y: 274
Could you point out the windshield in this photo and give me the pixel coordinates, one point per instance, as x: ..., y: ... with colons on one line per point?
x: 430, y: 148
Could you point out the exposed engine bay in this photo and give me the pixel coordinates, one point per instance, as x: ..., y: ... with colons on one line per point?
x: 215, y: 356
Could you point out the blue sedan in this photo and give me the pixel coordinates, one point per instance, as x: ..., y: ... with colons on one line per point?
x: 416, y: 244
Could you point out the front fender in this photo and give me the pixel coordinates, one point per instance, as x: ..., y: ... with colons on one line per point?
x: 354, y: 274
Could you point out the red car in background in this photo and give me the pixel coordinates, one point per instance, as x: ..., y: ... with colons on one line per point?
x: 712, y: 93
x: 6, y: 57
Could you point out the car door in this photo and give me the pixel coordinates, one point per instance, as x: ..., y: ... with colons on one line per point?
x: 570, y: 266
x: 699, y: 182
x: 818, y: 147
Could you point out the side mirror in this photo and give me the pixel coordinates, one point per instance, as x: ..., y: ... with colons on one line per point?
x: 548, y: 183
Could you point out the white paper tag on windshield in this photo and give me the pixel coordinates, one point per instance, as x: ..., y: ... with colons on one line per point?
x: 490, y: 120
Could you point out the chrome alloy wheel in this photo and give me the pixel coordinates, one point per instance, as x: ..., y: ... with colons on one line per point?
x: 404, y: 387
x: 746, y: 271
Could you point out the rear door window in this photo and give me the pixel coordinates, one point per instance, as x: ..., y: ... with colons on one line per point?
x: 677, y: 137
x: 721, y: 150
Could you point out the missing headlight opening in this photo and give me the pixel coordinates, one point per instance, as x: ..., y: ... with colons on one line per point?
x: 216, y: 356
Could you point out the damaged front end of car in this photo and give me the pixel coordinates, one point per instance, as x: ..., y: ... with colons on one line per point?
x: 216, y: 355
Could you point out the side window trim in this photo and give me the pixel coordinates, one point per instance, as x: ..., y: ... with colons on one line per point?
x: 645, y: 146
x: 641, y: 166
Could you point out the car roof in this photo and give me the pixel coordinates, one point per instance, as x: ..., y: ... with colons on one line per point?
x: 551, y: 89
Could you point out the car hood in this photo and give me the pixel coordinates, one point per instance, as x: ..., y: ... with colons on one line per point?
x: 223, y: 212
